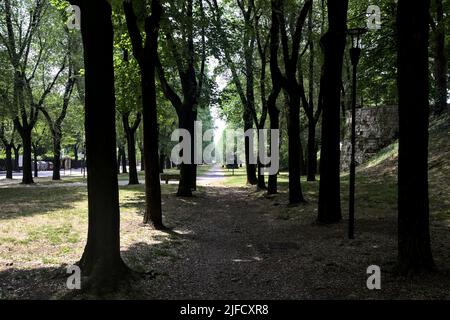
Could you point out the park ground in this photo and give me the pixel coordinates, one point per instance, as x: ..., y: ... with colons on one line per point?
x: 229, y: 241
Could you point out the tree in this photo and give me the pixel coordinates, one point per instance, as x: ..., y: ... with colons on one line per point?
x: 129, y: 104
x: 7, y: 129
x: 37, y: 144
x: 246, y: 96
x: 19, y: 48
x: 55, y: 125
x: 8, y: 143
x: 183, y: 54
x: 130, y: 133
x: 333, y: 45
x: 312, y: 114
x: 16, y: 149
x: 101, y: 262
x: 273, y: 111
x: 294, y: 91
x: 249, y: 115
x: 263, y: 46
x: 146, y: 54
x: 414, y: 252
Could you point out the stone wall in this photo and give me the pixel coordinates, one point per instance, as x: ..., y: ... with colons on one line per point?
x: 376, y: 128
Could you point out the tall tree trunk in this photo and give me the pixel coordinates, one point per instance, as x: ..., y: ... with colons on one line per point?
x: 147, y: 56
x: 293, y: 91
x: 56, y: 157
x: 27, y: 164
x: 295, y: 150
x: 35, y: 164
x: 194, y: 177
x: 414, y: 252
x: 440, y: 60
x: 161, y: 162
x: 119, y: 159
x: 153, y: 212
x: 123, y: 159
x: 133, y: 178
x: 312, y: 152
x: 142, y: 159
x: 333, y: 44
x: 274, y: 113
x: 9, y: 162
x: 186, y: 121
x: 261, y: 180
x: 312, y: 122
x: 274, y: 125
x: 101, y: 262
x: 194, y: 165
x: 16, y: 157
x: 75, y: 151
x: 249, y: 167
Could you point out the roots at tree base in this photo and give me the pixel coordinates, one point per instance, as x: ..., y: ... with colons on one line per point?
x: 103, y: 275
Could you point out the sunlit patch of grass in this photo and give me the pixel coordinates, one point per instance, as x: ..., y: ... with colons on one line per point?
x: 48, y: 226
x: 55, y: 235
x: 389, y: 152
x: 64, y: 179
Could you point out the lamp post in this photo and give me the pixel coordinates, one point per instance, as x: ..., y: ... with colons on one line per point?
x: 355, y: 53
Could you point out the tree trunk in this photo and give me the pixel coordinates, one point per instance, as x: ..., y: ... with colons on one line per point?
x: 123, y: 158
x: 16, y: 158
x: 142, y: 160
x: 186, y: 121
x: 56, y: 158
x: 274, y: 113
x: 153, y: 212
x: 274, y: 125
x: 101, y: 263
x: 333, y: 44
x: 414, y: 252
x: 161, y: 163
x: 295, y: 150
x: 119, y: 160
x: 147, y: 57
x: 9, y: 162
x: 35, y: 164
x: 27, y: 164
x: 261, y: 181
x: 249, y: 167
x: 75, y: 151
x: 131, y: 144
x: 312, y: 152
x: 303, y: 158
x: 440, y: 61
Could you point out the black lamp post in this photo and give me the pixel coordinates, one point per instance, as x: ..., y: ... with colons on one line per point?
x: 355, y: 53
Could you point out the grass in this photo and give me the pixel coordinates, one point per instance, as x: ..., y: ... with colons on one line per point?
x: 48, y: 226
x: 389, y: 152
x: 376, y: 180
x: 201, y: 169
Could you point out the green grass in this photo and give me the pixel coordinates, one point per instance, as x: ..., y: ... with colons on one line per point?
x: 40, y: 225
x: 55, y: 235
x: 390, y: 151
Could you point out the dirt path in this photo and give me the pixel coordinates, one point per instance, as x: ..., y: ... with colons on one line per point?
x: 240, y: 245
x: 214, y: 177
